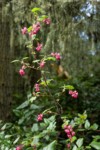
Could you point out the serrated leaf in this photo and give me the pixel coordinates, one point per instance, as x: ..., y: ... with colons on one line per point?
x: 95, y: 145
x: 79, y: 142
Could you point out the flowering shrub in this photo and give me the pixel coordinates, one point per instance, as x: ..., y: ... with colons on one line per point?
x: 44, y: 121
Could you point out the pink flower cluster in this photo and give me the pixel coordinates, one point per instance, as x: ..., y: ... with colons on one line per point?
x: 40, y: 117
x: 56, y: 55
x: 42, y: 64
x: 69, y: 130
x: 37, y: 87
x: 47, y: 21
x: 74, y: 94
x: 35, y: 29
x: 24, y: 30
x: 39, y: 47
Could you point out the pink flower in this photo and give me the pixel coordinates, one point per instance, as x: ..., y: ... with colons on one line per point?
x: 68, y: 145
x: 53, y: 54
x: 24, y: 30
x: 23, y: 67
x: 67, y: 131
x: 70, y: 92
x: 47, y: 21
x: 57, y: 55
x: 21, y: 72
x: 40, y: 117
x: 19, y: 148
x: 69, y: 127
x: 75, y: 94
x: 39, y: 47
x: 73, y: 133
x: 42, y: 64
x: 36, y: 28
x: 37, y: 87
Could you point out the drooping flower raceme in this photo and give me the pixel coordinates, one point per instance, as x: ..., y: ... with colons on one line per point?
x: 74, y: 94
x: 24, y: 30
x: 35, y: 29
x: 39, y: 47
x: 69, y: 130
x: 40, y: 117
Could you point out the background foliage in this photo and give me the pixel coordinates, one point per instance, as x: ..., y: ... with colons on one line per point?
x: 74, y: 32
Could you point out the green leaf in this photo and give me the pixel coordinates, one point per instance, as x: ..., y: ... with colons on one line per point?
x: 8, y: 136
x: 36, y: 9
x: 35, y: 140
x: 32, y: 99
x: 21, y: 120
x: 94, y: 126
x: 68, y: 87
x: 35, y: 127
x: 33, y: 106
x: 74, y: 138
x: 79, y: 142
x: 14, y: 61
x: 50, y: 58
x: 23, y: 105
x: 30, y: 28
x: 51, y: 146
x: 75, y: 147
x: 25, y: 58
x: 95, y: 145
x: 35, y: 61
x: 16, y: 140
x: 96, y: 137
x: 87, y: 124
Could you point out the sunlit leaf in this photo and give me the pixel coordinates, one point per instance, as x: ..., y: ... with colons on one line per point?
x: 36, y: 9
x: 95, y: 145
x: 79, y: 142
